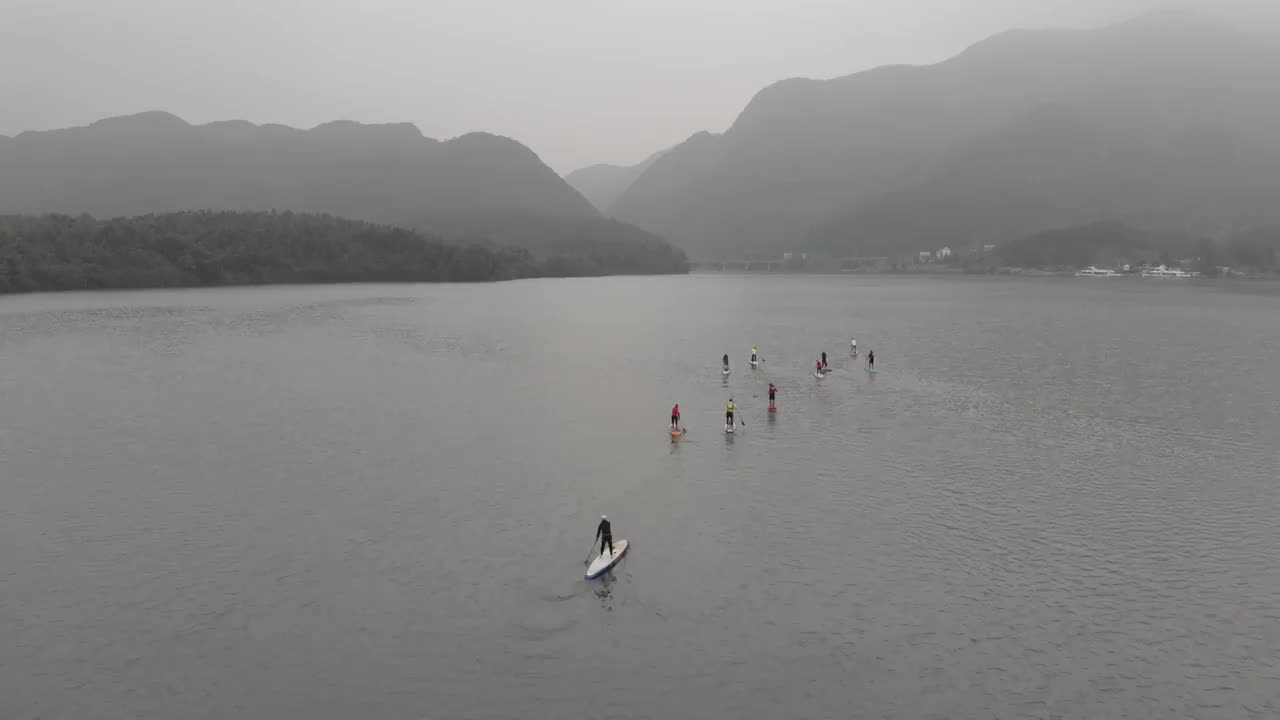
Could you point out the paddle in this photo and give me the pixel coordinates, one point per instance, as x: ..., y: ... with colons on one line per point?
x: 592, y: 553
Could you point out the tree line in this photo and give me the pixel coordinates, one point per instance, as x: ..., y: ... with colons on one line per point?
x: 212, y: 248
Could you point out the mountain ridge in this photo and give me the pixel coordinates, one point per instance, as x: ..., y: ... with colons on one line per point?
x: 602, y: 183
x: 78, y: 169
x: 488, y: 189
x: 804, y: 152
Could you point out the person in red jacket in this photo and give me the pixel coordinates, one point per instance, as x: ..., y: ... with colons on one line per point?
x: 772, y: 392
x: 675, y: 417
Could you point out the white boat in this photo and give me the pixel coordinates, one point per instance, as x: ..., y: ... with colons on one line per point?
x: 1168, y: 272
x: 1092, y: 271
x: 604, y: 561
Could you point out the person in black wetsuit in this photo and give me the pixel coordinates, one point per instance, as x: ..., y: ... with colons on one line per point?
x: 871, y: 359
x: 725, y: 361
x: 824, y: 361
x: 604, y: 533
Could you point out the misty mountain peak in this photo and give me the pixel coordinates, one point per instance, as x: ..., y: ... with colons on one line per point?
x: 156, y: 162
x: 1171, y: 31
x: 351, y: 130
x: 781, y: 98
x: 150, y: 121
x: 1011, y: 45
x: 1171, y: 18
x: 483, y: 142
x: 603, y: 183
x: 232, y: 124
x: 1025, y: 130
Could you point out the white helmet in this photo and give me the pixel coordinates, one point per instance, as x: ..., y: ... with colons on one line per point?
x: 604, y: 517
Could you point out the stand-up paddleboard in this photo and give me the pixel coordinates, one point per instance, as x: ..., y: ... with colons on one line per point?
x: 676, y: 433
x: 728, y: 429
x: 818, y: 375
x: 755, y: 363
x: 871, y: 370
x: 725, y: 371
x: 604, y: 562
x: 773, y: 409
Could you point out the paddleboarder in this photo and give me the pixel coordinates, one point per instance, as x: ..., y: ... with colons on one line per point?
x: 604, y: 533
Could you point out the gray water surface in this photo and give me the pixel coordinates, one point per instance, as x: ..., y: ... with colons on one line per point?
x: 1057, y: 499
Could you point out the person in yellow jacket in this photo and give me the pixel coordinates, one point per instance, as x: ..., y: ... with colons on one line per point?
x: 755, y: 356
x: 728, y: 414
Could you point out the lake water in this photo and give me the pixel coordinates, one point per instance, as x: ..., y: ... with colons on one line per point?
x: 1057, y: 499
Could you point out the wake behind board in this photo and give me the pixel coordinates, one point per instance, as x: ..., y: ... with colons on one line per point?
x: 604, y: 562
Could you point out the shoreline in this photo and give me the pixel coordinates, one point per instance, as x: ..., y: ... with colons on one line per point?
x: 1003, y: 273
x: 312, y: 283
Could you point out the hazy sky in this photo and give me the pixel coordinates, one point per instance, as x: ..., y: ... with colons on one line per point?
x: 579, y: 81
